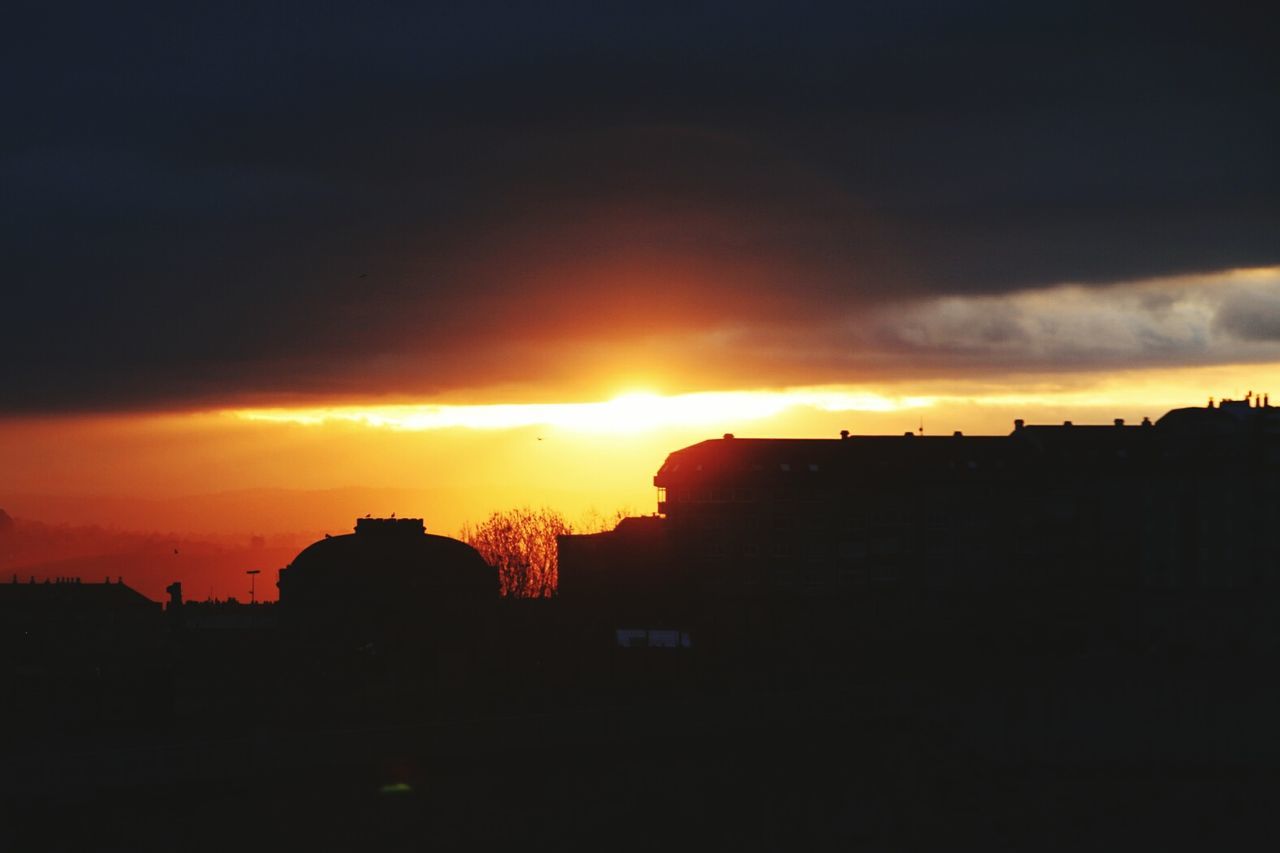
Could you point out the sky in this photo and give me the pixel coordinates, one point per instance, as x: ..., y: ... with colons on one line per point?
x: 510, y: 253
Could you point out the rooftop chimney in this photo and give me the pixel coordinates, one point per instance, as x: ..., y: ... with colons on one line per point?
x: 1119, y: 421
x: 728, y: 435
x: 844, y: 433
x: 1019, y: 424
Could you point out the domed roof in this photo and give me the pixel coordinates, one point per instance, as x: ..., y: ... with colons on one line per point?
x: 393, y: 555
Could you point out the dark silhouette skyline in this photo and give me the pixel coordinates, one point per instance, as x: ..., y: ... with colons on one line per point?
x: 858, y: 627
x: 273, y: 268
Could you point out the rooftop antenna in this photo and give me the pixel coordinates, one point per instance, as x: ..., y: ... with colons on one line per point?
x: 253, y: 585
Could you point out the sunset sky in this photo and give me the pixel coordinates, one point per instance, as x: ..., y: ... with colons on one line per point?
x: 269, y: 266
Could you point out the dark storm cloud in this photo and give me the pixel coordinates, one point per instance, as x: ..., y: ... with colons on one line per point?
x: 207, y: 204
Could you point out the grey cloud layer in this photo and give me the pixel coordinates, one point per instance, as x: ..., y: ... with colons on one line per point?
x: 1221, y: 318
x: 1225, y: 318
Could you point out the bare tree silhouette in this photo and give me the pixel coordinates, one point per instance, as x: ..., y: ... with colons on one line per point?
x: 521, y: 545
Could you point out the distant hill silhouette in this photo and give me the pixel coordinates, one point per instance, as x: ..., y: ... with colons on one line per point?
x: 306, y: 512
x: 146, y: 561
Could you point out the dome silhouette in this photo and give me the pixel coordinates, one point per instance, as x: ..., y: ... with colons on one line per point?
x: 387, y: 568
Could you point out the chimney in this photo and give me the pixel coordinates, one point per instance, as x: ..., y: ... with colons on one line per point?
x: 844, y: 434
x: 728, y: 435
x: 1119, y: 421
x: 957, y: 434
x: 1146, y: 422
x: 1067, y: 423
x: 1019, y: 424
x: 175, y: 594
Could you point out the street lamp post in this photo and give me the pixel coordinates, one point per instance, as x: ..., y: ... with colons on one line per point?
x: 253, y: 585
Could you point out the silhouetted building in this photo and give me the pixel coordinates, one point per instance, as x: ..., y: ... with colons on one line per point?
x: 69, y: 604
x: 1183, y: 502
x: 389, y: 573
x: 69, y: 621
x: 73, y: 653
x: 631, y: 551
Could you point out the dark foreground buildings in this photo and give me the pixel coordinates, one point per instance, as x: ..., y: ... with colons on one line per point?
x: 1060, y: 638
x: 71, y: 650
x: 1188, y: 502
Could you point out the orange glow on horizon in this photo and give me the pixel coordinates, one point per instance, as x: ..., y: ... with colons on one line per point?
x: 457, y: 462
x: 298, y: 472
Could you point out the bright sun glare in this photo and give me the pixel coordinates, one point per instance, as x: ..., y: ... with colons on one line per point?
x: 633, y: 412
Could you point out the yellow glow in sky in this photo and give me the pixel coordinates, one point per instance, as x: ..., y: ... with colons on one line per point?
x: 315, y: 468
x: 1152, y: 390
x: 628, y: 413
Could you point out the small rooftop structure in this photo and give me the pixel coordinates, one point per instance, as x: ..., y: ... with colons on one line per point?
x: 369, y: 526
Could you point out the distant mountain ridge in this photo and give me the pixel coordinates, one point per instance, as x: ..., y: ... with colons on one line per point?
x: 148, y: 562
x: 237, y: 513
